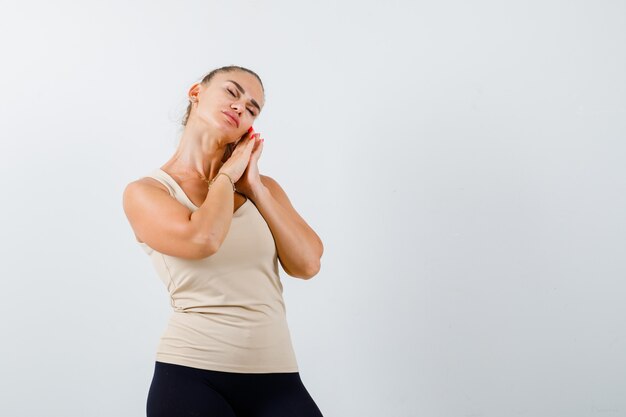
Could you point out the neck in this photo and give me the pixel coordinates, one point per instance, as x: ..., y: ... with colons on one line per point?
x: 199, y: 154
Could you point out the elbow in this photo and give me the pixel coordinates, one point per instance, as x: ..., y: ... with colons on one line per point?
x: 303, y: 272
x: 312, y: 270
x: 313, y: 267
x: 204, y: 252
x: 204, y: 247
x: 199, y: 252
x: 209, y: 248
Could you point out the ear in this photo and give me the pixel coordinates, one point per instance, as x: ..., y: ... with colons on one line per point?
x: 194, y: 90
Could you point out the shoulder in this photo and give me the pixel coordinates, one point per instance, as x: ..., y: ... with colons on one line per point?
x: 141, y: 189
x: 275, y: 189
x: 269, y: 181
x: 144, y: 183
x: 271, y: 184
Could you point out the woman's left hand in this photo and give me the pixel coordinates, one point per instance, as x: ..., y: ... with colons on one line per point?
x: 250, y: 182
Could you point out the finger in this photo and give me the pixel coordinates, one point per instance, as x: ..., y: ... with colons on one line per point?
x: 256, y: 153
x: 259, y: 145
x: 249, y: 146
x: 252, y: 141
x: 244, y: 143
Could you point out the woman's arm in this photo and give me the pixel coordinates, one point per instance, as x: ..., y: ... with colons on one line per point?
x: 299, y: 247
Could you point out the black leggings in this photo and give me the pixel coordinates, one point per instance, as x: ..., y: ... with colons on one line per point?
x: 182, y: 391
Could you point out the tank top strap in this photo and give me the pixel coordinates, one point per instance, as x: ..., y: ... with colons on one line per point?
x: 172, y: 187
x: 160, y: 176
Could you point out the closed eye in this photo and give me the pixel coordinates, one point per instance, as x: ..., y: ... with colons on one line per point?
x: 233, y: 94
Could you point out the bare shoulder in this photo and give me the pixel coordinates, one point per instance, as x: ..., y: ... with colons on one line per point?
x: 140, y: 188
x: 138, y: 191
x: 268, y: 181
x: 148, y: 181
x: 275, y: 189
x: 162, y: 222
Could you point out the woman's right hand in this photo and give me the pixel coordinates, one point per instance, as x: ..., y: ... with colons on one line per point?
x: 237, y: 163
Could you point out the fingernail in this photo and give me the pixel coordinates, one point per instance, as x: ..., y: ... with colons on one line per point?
x: 250, y: 129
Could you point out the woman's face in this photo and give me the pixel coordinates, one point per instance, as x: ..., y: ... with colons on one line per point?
x: 229, y: 95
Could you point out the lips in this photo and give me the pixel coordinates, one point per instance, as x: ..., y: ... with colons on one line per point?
x: 233, y: 116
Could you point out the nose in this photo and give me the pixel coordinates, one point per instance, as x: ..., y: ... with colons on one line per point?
x: 238, y: 106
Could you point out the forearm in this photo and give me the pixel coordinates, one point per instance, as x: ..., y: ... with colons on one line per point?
x: 299, y: 247
x: 213, y: 218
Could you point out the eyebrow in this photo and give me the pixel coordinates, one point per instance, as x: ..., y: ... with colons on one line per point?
x: 240, y: 88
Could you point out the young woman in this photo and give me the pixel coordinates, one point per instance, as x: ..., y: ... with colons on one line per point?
x: 215, y: 230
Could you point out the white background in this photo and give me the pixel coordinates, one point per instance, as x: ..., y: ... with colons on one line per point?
x: 463, y: 163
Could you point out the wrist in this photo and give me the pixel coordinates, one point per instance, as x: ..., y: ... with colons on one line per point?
x: 227, y: 178
x: 259, y: 192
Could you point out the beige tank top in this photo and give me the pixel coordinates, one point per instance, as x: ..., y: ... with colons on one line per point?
x: 228, y: 309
